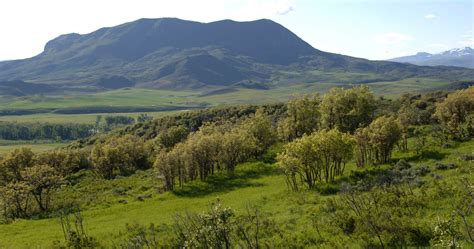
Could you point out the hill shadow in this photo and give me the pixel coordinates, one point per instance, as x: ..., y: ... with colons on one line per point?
x: 223, y: 182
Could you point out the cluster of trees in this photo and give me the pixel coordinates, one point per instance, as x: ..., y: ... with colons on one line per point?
x: 119, y: 156
x: 327, y: 131
x: 212, y: 149
x: 342, y: 109
x: 376, y: 142
x: 375, y: 131
x: 28, y: 182
x: 320, y: 156
x: 46, y: 131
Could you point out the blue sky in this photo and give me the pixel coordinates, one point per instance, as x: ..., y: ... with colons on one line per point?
x: 374, y: 29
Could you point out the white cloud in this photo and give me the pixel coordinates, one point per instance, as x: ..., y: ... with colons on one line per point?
x: 468, y: 42
x: 284, y: 7
x: 392, y: 38
x: 430, y: 16
x: 467, y: 39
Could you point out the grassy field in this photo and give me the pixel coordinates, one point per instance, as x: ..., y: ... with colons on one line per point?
x: 139, y: 97
x: 74, y: 118
x: 7, y: 146
x: 106, y: 212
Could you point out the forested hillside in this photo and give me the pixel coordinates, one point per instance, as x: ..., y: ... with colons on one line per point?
x: 343, y: 168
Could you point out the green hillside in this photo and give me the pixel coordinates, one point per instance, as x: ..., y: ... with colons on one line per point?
x: 313, y: 172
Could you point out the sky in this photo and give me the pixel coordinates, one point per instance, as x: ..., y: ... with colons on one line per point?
x: 373, y: 29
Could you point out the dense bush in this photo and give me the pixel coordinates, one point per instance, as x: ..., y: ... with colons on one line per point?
x: 213, y: 149
x: 456, y: 113
x: 318, y: 157
x: 348, y: 109
x: 119, y: 156
x: 376, y: 141
x: 303, y: 117
x: 27, y: 186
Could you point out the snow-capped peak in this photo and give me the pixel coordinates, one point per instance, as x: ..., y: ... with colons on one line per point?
x: 458, y: 51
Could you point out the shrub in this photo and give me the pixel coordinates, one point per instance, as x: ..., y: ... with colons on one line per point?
x: 119, y: 156
x: 443, y: 166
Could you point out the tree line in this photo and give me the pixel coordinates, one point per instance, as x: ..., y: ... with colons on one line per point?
x: 45, y: 131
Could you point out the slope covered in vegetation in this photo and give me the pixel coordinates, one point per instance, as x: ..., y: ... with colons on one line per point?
x: 342, y: 169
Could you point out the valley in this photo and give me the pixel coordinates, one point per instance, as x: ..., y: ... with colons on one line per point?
x: 218, y: 133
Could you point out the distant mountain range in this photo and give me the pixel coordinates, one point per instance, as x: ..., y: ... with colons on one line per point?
x: 177, y: 54
x: 458, y: 57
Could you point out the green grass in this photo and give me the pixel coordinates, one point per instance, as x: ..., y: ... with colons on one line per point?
x: 139, y: 97
x: 7, y: 146
x: 74, y: 118
x: 131, y: 97
x: 110, y: 204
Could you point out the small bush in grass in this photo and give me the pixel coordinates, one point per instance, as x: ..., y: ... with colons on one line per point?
x: 401, y: 165
x: 443, y: 166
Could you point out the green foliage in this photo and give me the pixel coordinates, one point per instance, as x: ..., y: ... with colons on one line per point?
x: 376, y: 142
x: 383, y: 206
x: 119, y: 156
x: 46, y: 131
x: 348, y: 109
x: 76, y: 235
x: 170, y: 137
x: 143, y: 117
x: 381, y: 218
x: 320, y: 156
x: 303, y: 117
x: 221, y: 228
x: 456, y: 113
x: 137, y: 236
x: 25, y: 180
x: 261, y: 129
x: 446, y: 233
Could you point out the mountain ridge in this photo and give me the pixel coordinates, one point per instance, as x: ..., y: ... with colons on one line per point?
x: 179, y: 54
x: 460, y: 57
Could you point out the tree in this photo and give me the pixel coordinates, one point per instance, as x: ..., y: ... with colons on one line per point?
x: 15, y: 200
x: 348, y: 109
x: 14, y: 163
x: 203, y: 151
x: 376, y: 142
x: 457, y: 109
x: 166, y: 166
x: 65, y: 161
x: 320, y: 156
x: 260, y: 127
x: 236, y: 147
x: 143, y: 117
x: 119, y: 156
x: 171, y: 136
x: 42, y: 180
x: 303, y: 117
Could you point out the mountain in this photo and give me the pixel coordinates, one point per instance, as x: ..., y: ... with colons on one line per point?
x: 178, y: 54
x: 458, y: 57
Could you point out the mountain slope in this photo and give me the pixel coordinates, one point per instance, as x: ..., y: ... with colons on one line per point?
x: 178, y: 54
x: 458, y: 57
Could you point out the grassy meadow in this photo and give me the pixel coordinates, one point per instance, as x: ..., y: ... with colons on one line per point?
x: 6, y: 146
x: 140, y: 97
